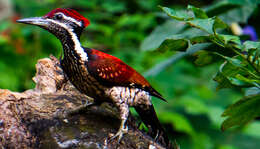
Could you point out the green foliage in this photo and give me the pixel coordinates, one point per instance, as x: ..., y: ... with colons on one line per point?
x: 233, y: 10
x: 239, y: 70
x: 174, y: 42
x: 160, y: 34
x: 181, y: 123
x: 242, y: 112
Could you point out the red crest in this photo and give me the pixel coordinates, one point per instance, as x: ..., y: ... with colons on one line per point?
x: 70, y: 13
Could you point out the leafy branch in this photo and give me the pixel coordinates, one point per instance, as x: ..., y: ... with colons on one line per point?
x: 241, y: 68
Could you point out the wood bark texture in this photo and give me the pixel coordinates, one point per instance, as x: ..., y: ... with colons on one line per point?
x: 52, y: 115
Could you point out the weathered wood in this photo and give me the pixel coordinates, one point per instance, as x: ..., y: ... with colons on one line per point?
x: 52, y: 115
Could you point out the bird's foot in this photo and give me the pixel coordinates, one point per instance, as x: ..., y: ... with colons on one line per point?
x: 123, y: 130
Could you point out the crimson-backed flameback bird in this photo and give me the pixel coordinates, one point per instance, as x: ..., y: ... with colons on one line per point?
x: 99, y: 75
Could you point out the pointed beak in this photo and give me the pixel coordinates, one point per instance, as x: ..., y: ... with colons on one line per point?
x: 39, y: 21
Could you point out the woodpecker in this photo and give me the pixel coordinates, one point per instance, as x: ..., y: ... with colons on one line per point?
x: 101, y: 76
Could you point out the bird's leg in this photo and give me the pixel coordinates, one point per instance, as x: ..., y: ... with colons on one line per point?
x: 124, y: 112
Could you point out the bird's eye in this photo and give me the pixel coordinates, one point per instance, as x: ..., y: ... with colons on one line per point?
x: 58, y: 17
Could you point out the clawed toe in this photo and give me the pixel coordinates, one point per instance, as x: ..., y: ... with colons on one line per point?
x: 119, y: 134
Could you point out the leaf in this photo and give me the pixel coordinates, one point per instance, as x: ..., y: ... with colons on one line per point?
x: 154, y: 40
x: 201, y: 39
x: 251, y: 45
x: 203, y: 24
x: 234, y: 61
x: 240, y: 14
x: 247, y: 79
x: 208, y: 25
x: 229, y: 39
x: 238, y: 72
x: 177, y: 14
x: 219, y: 24
x: 204, y: 58
x: 220, y: 7
x: 223, y: 81
x: 232, y: 10
x: 176, y: 43
x: 200, y: 21
x: 235, y: 81
x: 199, y: 13
x: 173, y: 59
x: 252, y: 91
x: 226, y: 77
x: 253, y: 51
x: 241, y: 112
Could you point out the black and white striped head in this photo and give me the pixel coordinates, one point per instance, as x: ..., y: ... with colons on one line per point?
x: 60, y: 22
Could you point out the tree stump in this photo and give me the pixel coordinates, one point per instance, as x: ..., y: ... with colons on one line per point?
x: 52, y: 115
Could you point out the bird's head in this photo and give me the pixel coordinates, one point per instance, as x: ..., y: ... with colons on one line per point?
x: 59, y: 22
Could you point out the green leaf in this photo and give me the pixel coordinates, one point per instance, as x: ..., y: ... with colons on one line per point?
x: 219, y: 24
x: 176, y: 43
x: 253, y: 50
x: 220, y: 7
x: 175, y: 58
x: 240, y: 15
x: 235, y: 62
x: 251, y: 45
x: 229, y: 39
x: 252, y: 91
x: 154, y: 40
x: 204, y: 58
x: 232, y: 10
x: 199, y: 13
x: 223, y: 81
x: 241, y: 112
x: 177, y: 14
x: 201, y: 39
x: 238, y: 72
x: 226, y: 77
x: 200, y: 21
x: 236, y: 81
x: 247, y: 79
x: 203, y: 24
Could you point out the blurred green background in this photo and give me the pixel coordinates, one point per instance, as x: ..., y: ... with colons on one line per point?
x: 127, y: 29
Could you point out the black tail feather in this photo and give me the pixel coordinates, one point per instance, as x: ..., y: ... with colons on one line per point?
x: 150, y: 119
x: 153, y: 92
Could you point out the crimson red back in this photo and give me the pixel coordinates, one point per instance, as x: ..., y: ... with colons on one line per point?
x: 70, y: 13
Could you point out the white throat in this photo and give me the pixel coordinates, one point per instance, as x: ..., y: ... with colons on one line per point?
x: 78, y: 48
